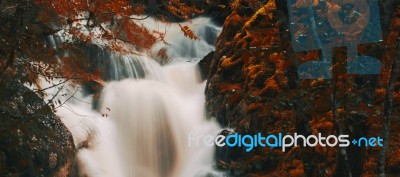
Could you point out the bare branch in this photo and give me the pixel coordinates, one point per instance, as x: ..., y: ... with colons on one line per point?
x: 67, y: 99
x: 55, y: 95
x: 41, y: 90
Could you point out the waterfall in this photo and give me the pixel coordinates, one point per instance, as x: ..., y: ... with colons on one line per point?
x: 152, y: 124
x: 146, y: 113
x: 132, y: 66
x: 181, y: 48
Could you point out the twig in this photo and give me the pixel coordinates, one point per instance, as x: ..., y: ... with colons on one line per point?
x: 67, y: 99
x: 55, y: 95
x: 41, y: 90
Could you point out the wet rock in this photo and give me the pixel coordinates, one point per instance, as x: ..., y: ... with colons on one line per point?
x: 33, y: 141
x: 226, y: 154
x: 218, y: 10
x: 204, y: 65
x: 248, y: 65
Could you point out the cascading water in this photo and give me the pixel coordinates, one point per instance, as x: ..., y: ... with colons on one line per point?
x: 136, y: 66
x: 141, y: 128
x: 151, y: 124
x: 180, y: 47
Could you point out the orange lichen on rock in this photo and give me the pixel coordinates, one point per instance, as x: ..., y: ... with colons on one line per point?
x: 232, y: 90
x: 272, y: 86
x: 229, y: 62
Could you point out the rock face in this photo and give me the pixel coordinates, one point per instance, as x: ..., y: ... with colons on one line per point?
x: 248, y: 57
x: 253, y: 87
x: 218, y: 10
x: 249, y: 72
x: 33, y: 141
x: 204, y: 65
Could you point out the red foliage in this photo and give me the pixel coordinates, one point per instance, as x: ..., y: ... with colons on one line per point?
x: 72, y: 8
x: 188, y: 32
x: 138, y: 35
x: 26, y: 54
x: 181, y: 9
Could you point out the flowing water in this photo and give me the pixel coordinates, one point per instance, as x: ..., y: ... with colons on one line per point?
x: 146, y: 112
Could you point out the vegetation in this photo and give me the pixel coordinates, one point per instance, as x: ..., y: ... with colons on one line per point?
x: 44, y: 39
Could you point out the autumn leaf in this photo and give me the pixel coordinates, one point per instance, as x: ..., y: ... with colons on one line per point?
x: 188, y: 32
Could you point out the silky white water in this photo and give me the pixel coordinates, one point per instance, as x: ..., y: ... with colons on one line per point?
x: 146, y: 114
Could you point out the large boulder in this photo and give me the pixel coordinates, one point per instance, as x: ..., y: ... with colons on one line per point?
x: 33, y: 140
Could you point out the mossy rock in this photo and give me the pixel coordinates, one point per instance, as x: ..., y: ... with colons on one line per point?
x: 33, y: 140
